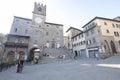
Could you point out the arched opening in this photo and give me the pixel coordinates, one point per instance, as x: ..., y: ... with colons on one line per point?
x: 31, y: 54
x: 113, y: 47
x: 10, y: 57
x: 106, y: 46
x: 21, y: 55
x: 21, y: 52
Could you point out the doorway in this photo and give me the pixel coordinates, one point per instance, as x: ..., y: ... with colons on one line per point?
x: 113, y: 47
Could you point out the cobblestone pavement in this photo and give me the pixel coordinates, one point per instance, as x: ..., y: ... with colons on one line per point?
x: 82, y: 69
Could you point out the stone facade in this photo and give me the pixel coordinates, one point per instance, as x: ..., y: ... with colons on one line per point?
x: 3, y: 39
x: 34, y: 33
x: 71, y: 32
x: 101, y: 37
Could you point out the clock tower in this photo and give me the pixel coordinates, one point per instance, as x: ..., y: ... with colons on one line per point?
x: 39, y: 15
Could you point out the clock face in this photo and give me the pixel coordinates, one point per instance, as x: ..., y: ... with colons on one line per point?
x: 38, y: 20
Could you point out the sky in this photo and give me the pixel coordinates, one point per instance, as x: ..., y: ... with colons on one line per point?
x: 70, y: 13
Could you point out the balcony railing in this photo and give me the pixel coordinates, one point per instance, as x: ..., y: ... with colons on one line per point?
x: 13, y: 44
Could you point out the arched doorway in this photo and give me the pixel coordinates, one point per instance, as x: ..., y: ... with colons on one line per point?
x: 21, y: 55
x: 31, y: 54
x: 106, y: 46
x: 10, y: 57
x: 113, y: 47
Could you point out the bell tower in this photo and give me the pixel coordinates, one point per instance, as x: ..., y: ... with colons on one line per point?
x: 39, y: 14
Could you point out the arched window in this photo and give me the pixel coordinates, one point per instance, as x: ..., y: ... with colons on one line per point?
x: 39, y: 9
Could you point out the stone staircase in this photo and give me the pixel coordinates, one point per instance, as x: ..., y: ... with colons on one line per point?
x: 54, y: 54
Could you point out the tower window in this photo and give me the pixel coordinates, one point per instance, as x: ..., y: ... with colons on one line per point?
x: 39, y: 9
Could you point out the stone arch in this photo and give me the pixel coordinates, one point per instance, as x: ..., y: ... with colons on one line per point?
x: 21, y: 55
x: 21, y: 52
x: 31, y: 54
x: 113, y: 47
x: 106, y: 46
x: 10, y: 57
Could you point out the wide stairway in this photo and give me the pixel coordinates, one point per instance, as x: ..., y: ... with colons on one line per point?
x: 54, y: 54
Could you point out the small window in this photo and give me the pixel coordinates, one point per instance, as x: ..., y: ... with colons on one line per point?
x: 94, y: 40
x: 116, y: 33
x: 17, y: 20
x: 81, y: 35
x: 39, y: 9
x: 15, y: 29
x: 57, y: 33
x: 105, y: 23
x: 36, y: 32
x: 92, y: 31
x: 35, y: 42
x: 47, y: 33
x: 26, y: 31
x: 107, y: 31
x: 117, y: 25
x: 113, y: 25
x: 87, y: 33
x: 27, y: 22
x: 47, y: 25
x: 90, y: 41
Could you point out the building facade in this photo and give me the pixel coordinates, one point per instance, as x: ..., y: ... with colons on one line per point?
x: 72, y: 32
x: 79, y: 45
x: 3, y: 39
x: 30, y: 34
x: 101, y: 37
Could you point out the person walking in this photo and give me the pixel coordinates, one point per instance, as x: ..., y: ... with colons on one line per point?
x: 97, y: 56
x: 20, y: 63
